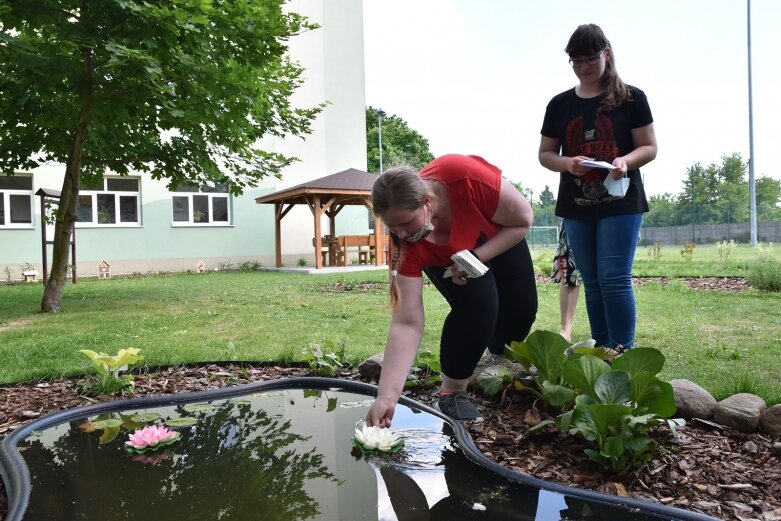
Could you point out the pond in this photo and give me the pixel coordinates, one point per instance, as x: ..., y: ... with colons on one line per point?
x: 281, y: 451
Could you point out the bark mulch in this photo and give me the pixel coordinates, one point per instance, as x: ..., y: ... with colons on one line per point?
x: 706, y: 468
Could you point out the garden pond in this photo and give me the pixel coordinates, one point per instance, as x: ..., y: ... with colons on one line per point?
x: 280, y: 450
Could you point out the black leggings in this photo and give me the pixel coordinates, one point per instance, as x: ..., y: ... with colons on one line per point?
x: 489, y: 311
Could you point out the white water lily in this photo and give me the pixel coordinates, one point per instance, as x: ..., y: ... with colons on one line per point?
x: 375, y: 438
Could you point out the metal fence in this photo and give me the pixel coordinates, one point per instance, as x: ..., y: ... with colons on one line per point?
x: 710, y: 233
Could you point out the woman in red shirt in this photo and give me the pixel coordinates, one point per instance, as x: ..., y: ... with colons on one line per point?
x: 455, y: 203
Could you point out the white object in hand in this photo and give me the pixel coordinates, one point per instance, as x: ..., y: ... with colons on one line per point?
x: 616, y: 187
x: 597, y: 164
x: 375, y: 438
x: 467, y: 263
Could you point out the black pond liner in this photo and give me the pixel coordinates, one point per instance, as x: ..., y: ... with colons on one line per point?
x: 16, y: 477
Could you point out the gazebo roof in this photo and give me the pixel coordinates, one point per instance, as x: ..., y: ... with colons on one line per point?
x: 350, y: 186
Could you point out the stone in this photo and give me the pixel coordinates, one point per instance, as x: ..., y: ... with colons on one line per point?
x: 371, y: 368
x: 740, y: 411
x: 770, y: 421
x: 491, y: 360
x: 692, y: 400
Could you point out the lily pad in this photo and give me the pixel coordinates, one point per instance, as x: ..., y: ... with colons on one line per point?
x: 184, y: 421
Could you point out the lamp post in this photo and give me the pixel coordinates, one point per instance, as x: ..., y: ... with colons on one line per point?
x: 380, y: 115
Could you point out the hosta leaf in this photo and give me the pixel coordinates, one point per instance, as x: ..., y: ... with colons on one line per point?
x: 640, y: 359
x: 613, y: 448
x: 606, y: 418
x: 582, y: 373
x: 664, y: 403
x: 557, y: 395
x: 613, y: 387
x: 494, y: 379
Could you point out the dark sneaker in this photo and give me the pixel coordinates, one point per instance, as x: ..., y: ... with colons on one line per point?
x: 458, y: 406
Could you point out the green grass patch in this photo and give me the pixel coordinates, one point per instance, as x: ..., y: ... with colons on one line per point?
x: 712, y: 338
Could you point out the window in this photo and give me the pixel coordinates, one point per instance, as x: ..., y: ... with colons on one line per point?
x: 111, y: 201
x: 16, y: 201
x: 207, y: 205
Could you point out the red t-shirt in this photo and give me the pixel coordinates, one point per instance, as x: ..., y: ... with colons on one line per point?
x: 473, y: 190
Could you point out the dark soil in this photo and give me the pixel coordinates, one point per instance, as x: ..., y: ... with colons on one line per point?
x: 705, y: 468
x: 708, y: 469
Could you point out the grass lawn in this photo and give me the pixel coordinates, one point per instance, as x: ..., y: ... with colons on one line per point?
x: 726, y: 342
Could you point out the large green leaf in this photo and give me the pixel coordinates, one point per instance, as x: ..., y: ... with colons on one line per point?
x: 583, y: 373
x: 557, y: 395
x: 494, y: 379
x: 645, y: 388
x: 606, y: 418
x: 613, y: 387
x: 613, y: 448
x: 664, y: 403
x: 547, y: 354
x: 640, y: 359
x: 519, y: 352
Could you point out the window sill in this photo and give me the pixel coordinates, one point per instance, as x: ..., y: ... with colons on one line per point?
x: 92, y: 226
x: 203, y: 225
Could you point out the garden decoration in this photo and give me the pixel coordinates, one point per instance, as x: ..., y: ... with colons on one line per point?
x: 151, y: 438
x: 374, y: 439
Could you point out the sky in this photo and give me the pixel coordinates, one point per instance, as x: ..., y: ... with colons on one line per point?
x: 474, y: 76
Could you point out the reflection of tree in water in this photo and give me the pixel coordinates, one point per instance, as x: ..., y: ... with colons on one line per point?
x: 235, y: 463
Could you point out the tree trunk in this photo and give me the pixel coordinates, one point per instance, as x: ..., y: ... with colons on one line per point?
x: 69, y: 199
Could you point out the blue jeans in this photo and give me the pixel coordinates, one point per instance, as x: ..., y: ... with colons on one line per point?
x: 604, y: 250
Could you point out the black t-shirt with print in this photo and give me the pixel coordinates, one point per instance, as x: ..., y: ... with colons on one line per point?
x: 582, y: 130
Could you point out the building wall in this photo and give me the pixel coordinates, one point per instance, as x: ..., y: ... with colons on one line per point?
x: 333, y: 59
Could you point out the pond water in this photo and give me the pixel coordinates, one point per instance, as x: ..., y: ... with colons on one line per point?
x: 277, y: 454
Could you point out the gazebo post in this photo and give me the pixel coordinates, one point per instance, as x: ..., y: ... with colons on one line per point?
x: 278, y: 233
x: 317, y: 212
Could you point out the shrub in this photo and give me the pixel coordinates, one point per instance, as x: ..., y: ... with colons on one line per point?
x: 765, y: 274
x: 108, y: 368
x: 688, y: 251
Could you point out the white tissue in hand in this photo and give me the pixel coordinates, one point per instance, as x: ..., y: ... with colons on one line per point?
x: 469, y: 264
x: 616, y: 187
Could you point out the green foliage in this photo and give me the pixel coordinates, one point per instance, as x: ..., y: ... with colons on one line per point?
x: 185, y: 91
x: 764, y: 271
x: 302, y: 261
x: 249, y: 265
x: 426, y: 369
x: 655, y: 251
x: 614, y: 405
x: 687, y: 252
x: 108, y: 367
x: 494, y: 379
x: 725, y: 249
x: 323, y: 360
x: 401, y: 145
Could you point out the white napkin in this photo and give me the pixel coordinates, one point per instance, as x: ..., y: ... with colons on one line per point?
x: 616, y: 187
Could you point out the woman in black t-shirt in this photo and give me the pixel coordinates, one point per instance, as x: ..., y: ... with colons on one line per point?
x: 601, y: 119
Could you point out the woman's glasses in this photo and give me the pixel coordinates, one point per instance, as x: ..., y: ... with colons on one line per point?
x: 589, y: 60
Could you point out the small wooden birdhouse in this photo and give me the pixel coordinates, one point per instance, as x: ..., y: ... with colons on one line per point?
x: 200, y: 267
x: 30, y: 275
x: 104, y: 270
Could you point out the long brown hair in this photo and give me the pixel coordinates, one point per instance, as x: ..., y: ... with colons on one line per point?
x: 398, y: 188
x: 587, y: 40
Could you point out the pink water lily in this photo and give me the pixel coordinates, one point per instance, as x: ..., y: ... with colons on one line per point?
x: 151, y: 437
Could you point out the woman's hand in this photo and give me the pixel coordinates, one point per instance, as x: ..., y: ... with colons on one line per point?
x: 575, y: 168
x: 381, y: 412
x: 620, y: 169
x: 459, y: 277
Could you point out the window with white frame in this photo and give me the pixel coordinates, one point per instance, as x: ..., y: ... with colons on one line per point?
x: 201, y: 205
x: 110, y: 201
x: 16, y: 201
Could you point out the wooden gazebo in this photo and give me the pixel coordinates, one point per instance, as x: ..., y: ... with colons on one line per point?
x: 325, y: 196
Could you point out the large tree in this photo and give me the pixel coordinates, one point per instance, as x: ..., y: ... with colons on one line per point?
x: 401, y: 145
x: 182, y: 89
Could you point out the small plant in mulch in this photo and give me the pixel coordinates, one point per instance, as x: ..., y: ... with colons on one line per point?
x: 108, y: 367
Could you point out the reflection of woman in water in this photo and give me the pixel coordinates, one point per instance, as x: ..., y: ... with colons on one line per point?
x: 474, y: 492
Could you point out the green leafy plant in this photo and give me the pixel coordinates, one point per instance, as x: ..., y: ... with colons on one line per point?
x: 322, y: 359
x: 655, y: 251
x: 426, y: 370
x: 764, y: 272
x: 249, y: 265
x: 687, y: 252
x: 617, y: 405
x: 109, y: 367
x: 544, y: 355
x: 302, y: 262
x: 725, y: 249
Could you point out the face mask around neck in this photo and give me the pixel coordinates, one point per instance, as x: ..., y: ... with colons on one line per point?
x: 422, y: 233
